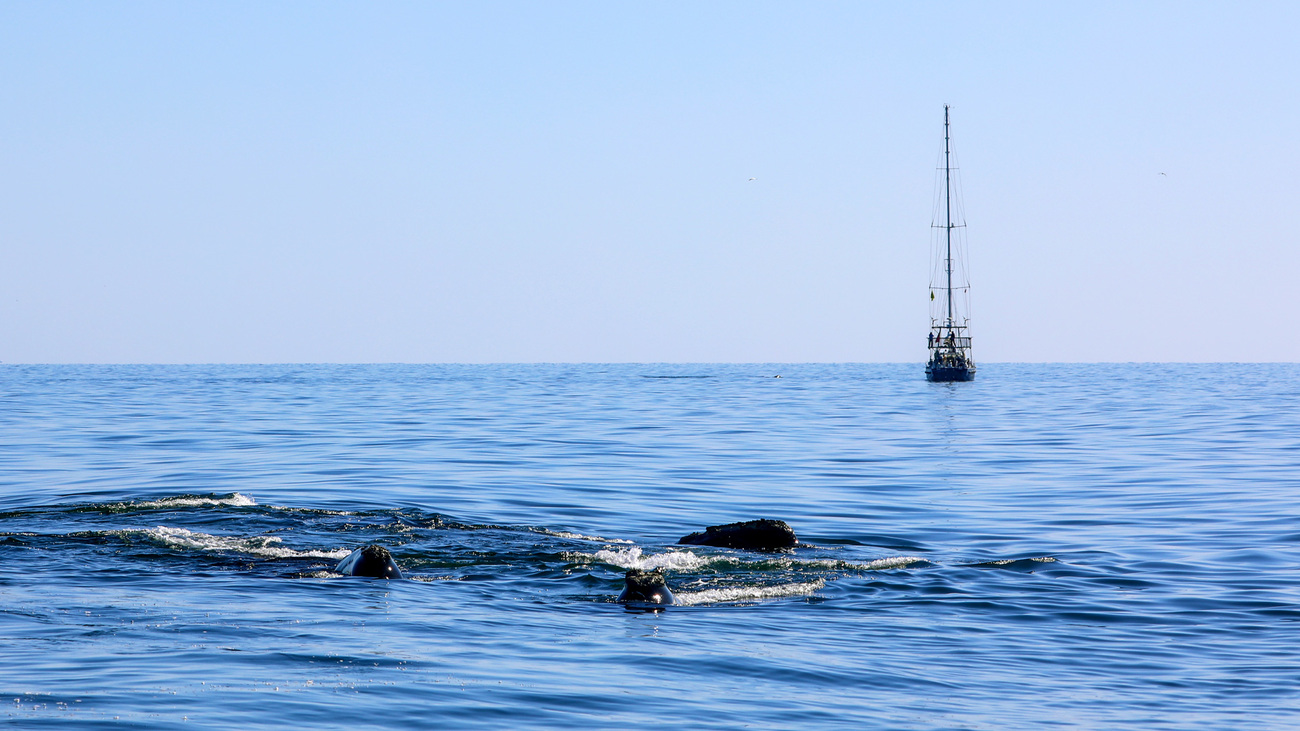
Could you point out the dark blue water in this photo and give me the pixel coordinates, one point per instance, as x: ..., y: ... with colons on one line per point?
x: 1051, y: 546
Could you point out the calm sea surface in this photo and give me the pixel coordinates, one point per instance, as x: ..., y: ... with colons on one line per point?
x: 1050, y: 546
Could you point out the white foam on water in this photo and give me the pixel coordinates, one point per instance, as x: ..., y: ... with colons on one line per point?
x: 633, y: 558
x: 268, y: 546
x: 747, y: 593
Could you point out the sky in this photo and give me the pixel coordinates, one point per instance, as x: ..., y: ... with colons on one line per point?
x: 252, y: 182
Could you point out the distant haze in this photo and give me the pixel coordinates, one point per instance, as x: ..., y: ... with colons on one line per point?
x: 494, y: 182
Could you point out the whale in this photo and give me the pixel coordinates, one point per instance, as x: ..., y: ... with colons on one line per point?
x: 372, y: 561
x: 645, y: 587
x: 752, y: 535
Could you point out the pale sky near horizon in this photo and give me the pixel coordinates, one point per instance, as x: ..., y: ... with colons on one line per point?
x: 515, y: 182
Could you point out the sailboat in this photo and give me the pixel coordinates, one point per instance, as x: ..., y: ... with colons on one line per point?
x: 949, y: 337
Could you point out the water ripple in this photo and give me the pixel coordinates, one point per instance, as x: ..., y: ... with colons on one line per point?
x: 1072, y: 546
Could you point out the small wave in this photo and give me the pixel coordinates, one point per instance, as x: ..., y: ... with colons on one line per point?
x: 1013, y: 562
x: 189, y: 501
x: 897, y: 562
x: 180, y: 501
x: 747, y: 593
x: 829, y: 564
x: 577, y: 536
x: 268, y: 546
x: 632, y: 558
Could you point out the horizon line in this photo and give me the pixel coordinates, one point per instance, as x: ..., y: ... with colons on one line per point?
x: 634, y: 362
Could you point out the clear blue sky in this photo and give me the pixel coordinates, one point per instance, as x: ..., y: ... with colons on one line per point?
x: 482, y: 182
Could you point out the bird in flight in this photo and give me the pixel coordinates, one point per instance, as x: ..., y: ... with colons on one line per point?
x: 757, y: 178
x: 1160, y: 173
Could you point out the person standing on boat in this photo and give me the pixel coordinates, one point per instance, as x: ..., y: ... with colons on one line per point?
x: 929, y: 340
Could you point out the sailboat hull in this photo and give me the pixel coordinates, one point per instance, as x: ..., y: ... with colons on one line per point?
x: 944, y: 374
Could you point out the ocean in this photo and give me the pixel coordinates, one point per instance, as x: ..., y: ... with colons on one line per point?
x: 1051, y: 546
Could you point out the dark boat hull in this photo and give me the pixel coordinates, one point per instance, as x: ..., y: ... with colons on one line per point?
x: 944, y: 374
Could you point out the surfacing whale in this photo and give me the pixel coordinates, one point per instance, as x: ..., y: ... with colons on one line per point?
x: 645, y: 587
x: 751, y: 535
x: 373, y: 561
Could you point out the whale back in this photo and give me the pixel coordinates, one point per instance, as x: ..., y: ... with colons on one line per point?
x: 752, y: 535
x: 646, y: 587
x: 373, y: 561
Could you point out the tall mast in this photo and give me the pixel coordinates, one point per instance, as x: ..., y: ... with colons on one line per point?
x: 950, y: 356
x: 947, y: 196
